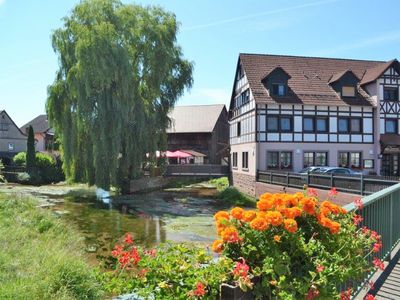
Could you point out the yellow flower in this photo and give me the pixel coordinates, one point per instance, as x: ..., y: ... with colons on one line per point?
x: 277, y: 238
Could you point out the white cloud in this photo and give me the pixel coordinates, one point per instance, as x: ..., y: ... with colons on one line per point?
x: 252, y: 16
x: 369, y: 42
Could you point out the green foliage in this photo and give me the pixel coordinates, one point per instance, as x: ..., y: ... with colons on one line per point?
x: 170, y: 271
x: 121, y: 71
x: 20, y: 159
x: 231, y: 196
x: 220, y: 183
x: 30, y: 152
x: 41, y: 257
x: 47, y: 169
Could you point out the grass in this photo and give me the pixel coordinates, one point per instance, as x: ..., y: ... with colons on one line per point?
x: 41, y: 258
x: 230, y: 195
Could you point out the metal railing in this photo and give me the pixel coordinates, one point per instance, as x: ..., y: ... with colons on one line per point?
x: 358, y: 184
x: 197, y: 170
x: 381, y: 213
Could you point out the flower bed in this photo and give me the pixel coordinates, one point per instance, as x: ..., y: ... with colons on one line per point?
x: 290, y: 247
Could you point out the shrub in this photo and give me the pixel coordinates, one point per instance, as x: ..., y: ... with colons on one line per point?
x: 300, y: 248
x: 20, y: 159
x: 23, y: 178
x: 232, y: 196
x: 170, y: 271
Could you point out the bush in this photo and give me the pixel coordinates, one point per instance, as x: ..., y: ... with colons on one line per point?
x: 232, y: 196
x: 170, y: 271
x: 23, y: 178
x: 300, y: 248
x: 41, y: 257
x: 47, y: 168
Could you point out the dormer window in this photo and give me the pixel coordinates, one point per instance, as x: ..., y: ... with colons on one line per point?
x: 348, y: 91
x: 279, y: 89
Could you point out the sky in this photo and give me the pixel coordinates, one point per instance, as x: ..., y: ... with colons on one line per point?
x: 212, y: 34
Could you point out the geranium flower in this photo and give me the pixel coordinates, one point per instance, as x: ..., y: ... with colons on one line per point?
x: 199, y: 290
x: 237, y: 213
x: 345, y: 295
x: 378, y: 263
x: 241, y: 269
x: 312, y: 293
x: 218, y: 246
x: 259, y: 224
x: 358, y: 203
x: 333, y: 192
x: 128, y: 239
x: 377, y: 247
x: 312, y: 192
x: 357, y: 219
x: 290, y: 225
x: 320, y: 268
x: 369, y: 297
x: 117, y: 251
x: 249, y: 216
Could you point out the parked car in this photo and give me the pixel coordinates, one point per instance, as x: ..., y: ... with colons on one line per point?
x: 337, y: 171
x: 309, y: 170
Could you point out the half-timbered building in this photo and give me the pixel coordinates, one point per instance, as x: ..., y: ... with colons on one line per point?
x: 289, y: 112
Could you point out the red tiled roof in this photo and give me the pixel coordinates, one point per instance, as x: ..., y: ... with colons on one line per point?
x: 339, y: 75
x: 310, y: 76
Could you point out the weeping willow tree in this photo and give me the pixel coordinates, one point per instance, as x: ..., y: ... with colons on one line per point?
x: 120, y: 72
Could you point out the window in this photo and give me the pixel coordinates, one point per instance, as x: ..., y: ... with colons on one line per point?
x: 390, y: 94
x: 278, y: 89
x: 343, y: 125
x: 308, y: 159
x: 368, y: 163
x: 343, y: 159
x: 3, y: 126
x: 279, y: 160
x: 240, y: 73
x: 348, y: 91
x: 272, y: 123
x: 308, y: 124
x: 238, y: 128
x: 10, y: 147
x: 286, y: 160
x: 355, y: 159
x: 391, y: 126
x: 286, y: 124
x: 321, y: 159
x: 243, y: 98
x: 245, y: 160
x: 315, y: 159
x: 322, y: 124
x: 355, y: 125
x: 273, y: 160
x: 234, y: 159
x: 350, y: 160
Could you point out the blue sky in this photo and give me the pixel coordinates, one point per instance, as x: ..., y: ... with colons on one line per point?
x: 212, y: 35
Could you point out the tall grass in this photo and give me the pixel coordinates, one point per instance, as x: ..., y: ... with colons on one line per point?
x: 40, y: 257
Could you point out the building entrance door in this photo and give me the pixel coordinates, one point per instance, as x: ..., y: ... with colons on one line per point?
x: 390, y: 165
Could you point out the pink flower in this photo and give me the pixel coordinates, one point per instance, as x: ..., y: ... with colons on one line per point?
x: 117, y: 251
x: 357, y: 219
x: 333, y: 192
x: 199, y: 291
x: 378, y: 263
x: 128, y: 239
x: 375, y: 235
x: 320, y: 268
x: 345, y: 295
x: 369, y: 297
x: 312, y: 192
x: 312, y: 294
x: 377, y: 247
x: 358, y: 203
x: 241, y: 269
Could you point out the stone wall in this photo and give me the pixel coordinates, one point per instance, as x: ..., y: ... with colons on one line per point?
x: 244, y: 183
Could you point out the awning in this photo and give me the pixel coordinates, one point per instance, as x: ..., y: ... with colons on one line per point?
x: 390, y: 139
x: 194, y: 153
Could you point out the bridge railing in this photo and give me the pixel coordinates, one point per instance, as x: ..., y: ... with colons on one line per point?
x: 197, y: 170
x: 381, y: 212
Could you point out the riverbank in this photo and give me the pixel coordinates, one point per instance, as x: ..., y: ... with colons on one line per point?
x: 41, y: 257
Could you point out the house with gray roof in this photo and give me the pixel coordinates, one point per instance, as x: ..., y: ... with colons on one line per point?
x: 290, y: 112
x: 201, y: 129
x: 44, y: 133
x: 12, y: 139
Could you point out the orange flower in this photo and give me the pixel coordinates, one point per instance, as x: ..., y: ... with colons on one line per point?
x: 292, y: 212
x: 237, y: 213
x: 218, y: 246
x: 291, y: 225
x: 308, y: 205
x: 265, y: 204
x: 277, y: 238
x: 221, y: 215
x: 334, y: 227
x: 274, y: 217
x: 230, y: 235
x: 259, y: 224
x: 249, y: 216
x: 294, y: 199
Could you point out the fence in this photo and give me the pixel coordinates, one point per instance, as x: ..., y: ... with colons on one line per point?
x: 358, y: 184
x: 380, y: 213
x: 197, y: 170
